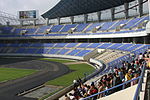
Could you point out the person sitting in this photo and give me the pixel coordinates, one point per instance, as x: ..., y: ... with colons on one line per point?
x: 135, y: 81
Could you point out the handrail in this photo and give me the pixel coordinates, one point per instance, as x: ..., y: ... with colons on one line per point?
x: 139, y: 87
x: 112, y: 88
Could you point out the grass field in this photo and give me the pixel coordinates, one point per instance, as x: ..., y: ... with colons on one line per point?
x: 13, y: 73
x: 57, y: 60
x: 78, y: 71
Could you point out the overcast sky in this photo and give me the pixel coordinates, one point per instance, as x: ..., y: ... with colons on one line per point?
x: 12, y: 6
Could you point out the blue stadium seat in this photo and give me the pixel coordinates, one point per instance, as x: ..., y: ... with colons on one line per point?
x: 117, y: 24
x: 94, y: 45
x: 83, y: 45
x: 142, y: 19
x: 73, y: 52
x: 106, y: 26
x: 131, y: 23
x: 68, y: 27
x: 105, y: 45
x: 133, y: 47
x: 71, y: 45
x: 48, y: 44
x: 42, y: 51
x: 114, y: 46
x: 93, y: 26
x: 81, y: 27
x: 42, y: 29
x: 20, y: 50
x: 56, y: 28
x: 53, y: 51
x: 6, y: 30
x: 14, y: 45
x: 60, y: 44
x: 63, y: 51
x: 25, y: 45
x: 125, y: 46
x: 30, y: 51
x: 31, y: 30
x: 83, y: 53
x: 18, y: 31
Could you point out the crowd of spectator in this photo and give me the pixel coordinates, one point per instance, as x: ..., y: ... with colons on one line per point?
x: 126, y: 72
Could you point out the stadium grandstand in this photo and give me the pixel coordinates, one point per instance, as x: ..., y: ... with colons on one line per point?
x: 112, y: 35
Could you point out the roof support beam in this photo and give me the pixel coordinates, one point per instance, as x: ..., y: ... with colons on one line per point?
x: 126, y: 6
x: 140, y: 7
x: 99, y: 16
x: 112, y: 13
x: 72, y: 19
x: 85, y: 18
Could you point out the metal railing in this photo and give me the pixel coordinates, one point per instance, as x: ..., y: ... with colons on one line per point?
x: 139, y: 87
x: 136, y: 96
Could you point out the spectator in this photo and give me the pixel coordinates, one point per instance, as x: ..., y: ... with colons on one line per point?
x: 117, y: 81
x: 120, y: 73
x: 127, y: 72
x: 71, y: 96
x: 66, y: 97
x: 135, y: 81
x: 128, y: 76
x: 140, y: 58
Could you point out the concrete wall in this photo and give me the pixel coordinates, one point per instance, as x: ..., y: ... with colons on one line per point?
x: 127, y: 94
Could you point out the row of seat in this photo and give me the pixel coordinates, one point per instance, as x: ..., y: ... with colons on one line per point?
x: 127, y: 24
x: 73, y: 49
x: 117, y: 46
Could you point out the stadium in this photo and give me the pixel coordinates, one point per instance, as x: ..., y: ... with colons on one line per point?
x: 77, y: 50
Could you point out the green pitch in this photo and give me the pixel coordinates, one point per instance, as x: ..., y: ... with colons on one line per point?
x: 57, y: 60
x: 78, y: 71
x: 13, y: 73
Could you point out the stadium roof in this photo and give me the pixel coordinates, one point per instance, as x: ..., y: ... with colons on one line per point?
x: 66, y: 8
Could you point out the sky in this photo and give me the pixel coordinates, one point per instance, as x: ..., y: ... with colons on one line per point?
x: 12, y: 6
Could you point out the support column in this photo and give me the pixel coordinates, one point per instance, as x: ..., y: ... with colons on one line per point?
x: 72, y: 19
x: 112, y: 14
x: 145, y: 40
x: 58, y: 20
x: 21, y: 22
x: 140, y: 7
x: 85, y: 18
x: 34, y: 22
x: 149, y: 8
x: 47, y: 21
x: 148, y: 24
x: 8, y: 23
x: 126, y: 6
x: 99, y: 16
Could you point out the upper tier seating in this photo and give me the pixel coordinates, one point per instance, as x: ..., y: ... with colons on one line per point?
x: 42, y: 29
x: 124, y: 26
x: 68, y: 27
x: 56, y: 28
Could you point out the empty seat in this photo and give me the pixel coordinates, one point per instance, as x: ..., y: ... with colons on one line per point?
x: 63, y: 51
x: 83, y: 53
x: 73, y: 52
x: 53, y: 51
